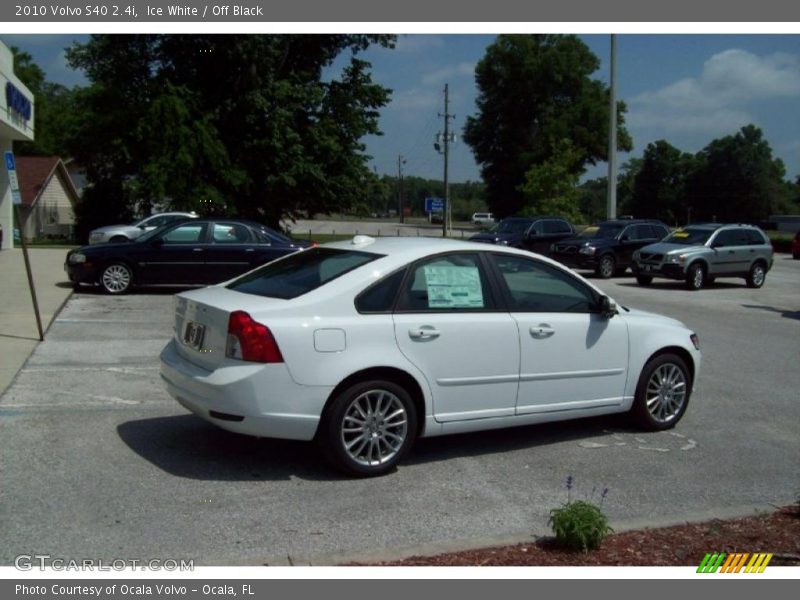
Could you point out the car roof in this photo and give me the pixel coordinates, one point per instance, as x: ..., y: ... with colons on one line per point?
x: 631, y: 222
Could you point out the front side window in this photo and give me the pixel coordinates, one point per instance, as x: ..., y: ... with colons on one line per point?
x: 454, y: 282
x: 731, y: 237
x: 190, y: 233
x: 538, y: 287
x: 301, y: 272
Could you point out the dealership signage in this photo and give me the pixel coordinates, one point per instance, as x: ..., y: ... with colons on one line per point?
x: 18, y: 102
x: 11, y: 167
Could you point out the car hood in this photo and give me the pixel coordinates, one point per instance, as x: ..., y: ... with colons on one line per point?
x: 666, y: 248
x: 578, y: 241
x: 102, y: 249
x: 488, y: 236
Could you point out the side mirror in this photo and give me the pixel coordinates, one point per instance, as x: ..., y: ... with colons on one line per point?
x: 608, y: 308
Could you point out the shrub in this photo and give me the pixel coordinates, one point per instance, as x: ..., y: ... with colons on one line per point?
x: 579, y: 525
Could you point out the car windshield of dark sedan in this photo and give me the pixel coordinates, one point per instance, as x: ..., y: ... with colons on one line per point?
x: 600, y: 232
x: 300, y: 273
x: 689, y: 236
x: 511, y: 226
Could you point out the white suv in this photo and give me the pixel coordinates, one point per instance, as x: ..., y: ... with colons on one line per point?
x: 482, y: 219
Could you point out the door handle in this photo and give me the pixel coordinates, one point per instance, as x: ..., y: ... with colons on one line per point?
x: 197, y: 249
x: 426, y: 332
x: 250, y: 249
x: 541, y: 331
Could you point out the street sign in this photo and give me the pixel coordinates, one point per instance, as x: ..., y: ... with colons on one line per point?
x: 434, y: 205
x: 11, y: 167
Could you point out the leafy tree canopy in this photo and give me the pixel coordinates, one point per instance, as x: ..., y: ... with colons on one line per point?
x: 252, y: 125
x: 534, y: 92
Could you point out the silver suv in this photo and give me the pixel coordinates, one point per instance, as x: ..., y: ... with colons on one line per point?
x: 128, y: 233
x: 698, y: 254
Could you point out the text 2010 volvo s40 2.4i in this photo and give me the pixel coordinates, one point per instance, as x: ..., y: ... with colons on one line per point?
x: 368, y: 344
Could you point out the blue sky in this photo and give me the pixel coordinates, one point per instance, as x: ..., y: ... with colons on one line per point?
x: 687, y: 89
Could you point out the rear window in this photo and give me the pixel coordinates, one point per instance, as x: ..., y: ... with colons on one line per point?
x: 300, y: 273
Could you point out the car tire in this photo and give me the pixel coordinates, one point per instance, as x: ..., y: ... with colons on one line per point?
x: 644, y: 279
x: 757, y: 275
x: 116, y: 278
x: 695, y: 277
x: 606, y: 266
x: 662, y: 393
x: 368, y: 428
x: 796, y: 255
x: 119, y: 239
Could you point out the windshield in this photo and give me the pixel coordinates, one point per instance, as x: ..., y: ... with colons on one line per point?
x: 300, y: 273
x: 689, y: 236
x: 600, y: 232
x: 511, y: 226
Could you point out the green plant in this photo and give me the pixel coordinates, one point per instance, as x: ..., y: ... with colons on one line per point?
x: 579, y: 524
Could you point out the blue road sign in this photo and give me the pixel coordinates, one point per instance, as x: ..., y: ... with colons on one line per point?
x: 10, y: 165
x: 434, y: 205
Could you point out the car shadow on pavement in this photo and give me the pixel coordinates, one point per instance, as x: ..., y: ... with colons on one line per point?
x: 515, y: 438
x: 186, y: 446
x: 666, y: 284
x: 787, y: 314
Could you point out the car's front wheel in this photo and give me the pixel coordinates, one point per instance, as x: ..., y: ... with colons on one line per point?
x: 662, y: 393
x: 116, y: 278
x: 757, y: 275
x: 606, y: 267
x: 695, y: 277
x: 644, y: 279
x: 368, y: 428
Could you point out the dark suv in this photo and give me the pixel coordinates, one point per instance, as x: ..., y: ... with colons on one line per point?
x: 607, y: 248
x: 536, y: 234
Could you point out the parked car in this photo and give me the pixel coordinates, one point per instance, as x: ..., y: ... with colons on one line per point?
x: 195, y: 252
x: 536, y: 234
x: 796, y: 246
x: 482, y: 219
x: 698, y: 254
x: 127, y: 233
x: 607, y: 248
x: 365, y: 345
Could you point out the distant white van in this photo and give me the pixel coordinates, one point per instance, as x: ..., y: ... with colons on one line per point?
x: 482, y: 218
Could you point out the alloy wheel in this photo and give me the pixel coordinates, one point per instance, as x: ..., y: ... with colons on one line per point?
x: 666, y: 393
x: 374, y: 427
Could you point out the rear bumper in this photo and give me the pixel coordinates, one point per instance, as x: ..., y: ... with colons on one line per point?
x: 253, y: 399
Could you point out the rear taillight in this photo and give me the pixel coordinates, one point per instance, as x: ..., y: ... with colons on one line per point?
x: 250, y: 340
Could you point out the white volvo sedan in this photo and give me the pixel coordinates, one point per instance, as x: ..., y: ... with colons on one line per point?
x: 367, y: 344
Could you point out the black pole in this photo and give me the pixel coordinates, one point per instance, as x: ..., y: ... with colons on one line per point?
x: 28, y: 271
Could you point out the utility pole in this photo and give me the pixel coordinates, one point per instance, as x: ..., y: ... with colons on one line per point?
x: 400, y: 162
x: 446, y: 209
x: 611, y: 204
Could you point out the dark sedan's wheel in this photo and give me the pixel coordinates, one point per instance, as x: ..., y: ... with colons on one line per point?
x: 606, y: 267
x: 757, y: 275
x: 695, y: 277
x: 116, y: 278
x: 119, y: 239
x: 368, y: 428
x: 644, y: 279
x: 662, y: 393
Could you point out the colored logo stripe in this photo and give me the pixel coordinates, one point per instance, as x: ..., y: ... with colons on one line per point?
x: 734, y: 563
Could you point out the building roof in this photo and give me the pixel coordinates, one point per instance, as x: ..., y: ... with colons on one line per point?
x: 35, y: 172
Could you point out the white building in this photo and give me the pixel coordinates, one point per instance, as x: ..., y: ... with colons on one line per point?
x: 16, y: 123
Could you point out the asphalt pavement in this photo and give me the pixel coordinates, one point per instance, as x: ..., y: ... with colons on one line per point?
x: 97, y: 461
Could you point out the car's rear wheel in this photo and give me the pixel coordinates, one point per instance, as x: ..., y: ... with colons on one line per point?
x: 757, y: 275
x: 644, y: 279
x: 116, y: 278
x: 606, y: 267
x: 368, y: 428
x: 695, y: 277
x: 662, y: 393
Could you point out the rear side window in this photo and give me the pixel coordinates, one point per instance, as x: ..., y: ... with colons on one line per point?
x: 379, y: 297
x: 301, y: 273
x: 756, y: 237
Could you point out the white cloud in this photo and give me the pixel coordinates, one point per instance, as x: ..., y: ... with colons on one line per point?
x: 441, y: 76
x: 414, y: 44
x: 416, y: 99
x: 717, y: 101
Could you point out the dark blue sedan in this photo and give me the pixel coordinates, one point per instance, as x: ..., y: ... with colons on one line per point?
x: 196, y: 252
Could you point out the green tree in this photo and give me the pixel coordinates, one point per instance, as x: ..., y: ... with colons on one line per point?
x: 534, y: 92
x: 252, y: 125
x: 659, y: 185
x: 591, y: 199
x: 737, y: 179
x: 550, y: 187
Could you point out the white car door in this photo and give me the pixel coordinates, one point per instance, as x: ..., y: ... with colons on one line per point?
x: 448, y: 324
x: 572, y: 357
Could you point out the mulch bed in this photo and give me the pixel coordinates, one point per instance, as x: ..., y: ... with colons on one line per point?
x: 680, y: 545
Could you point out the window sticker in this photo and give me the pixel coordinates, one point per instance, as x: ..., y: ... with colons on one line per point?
x: 453, y: 287
x: 592, y: 229
x: 680, y: 234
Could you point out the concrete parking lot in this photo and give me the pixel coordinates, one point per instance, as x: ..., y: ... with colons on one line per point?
x: 97, y: 461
